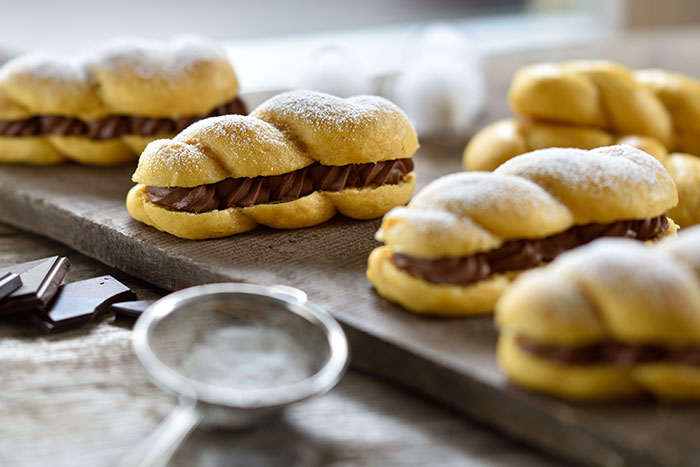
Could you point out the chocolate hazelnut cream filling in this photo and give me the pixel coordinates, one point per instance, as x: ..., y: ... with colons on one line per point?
x: 112, y: 126
x: 612, y: 352
x: 249, y: 191
x: 524, y: 254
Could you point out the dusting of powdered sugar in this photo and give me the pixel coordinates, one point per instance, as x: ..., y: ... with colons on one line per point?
x: 686, y: 248
x: 433, y: 233
x: 422, y: 221
x: 44, y: 66
x: 247, y: 358
x: 629, y: 267
x: 596, y: 173
x: 150, y: 59
x: 466, y: 192
x: 153, y: 59
x: 244, y: 143
x: 319, y: 110
x: 186, y: 158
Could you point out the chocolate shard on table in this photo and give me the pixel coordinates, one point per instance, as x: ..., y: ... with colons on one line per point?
x: 80, y: 302
x: 9, y: 282
x: 131, y: 310
x: 40, y: 278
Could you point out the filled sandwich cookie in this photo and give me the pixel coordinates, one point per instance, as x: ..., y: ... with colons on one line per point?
x: 462, y: 239
x: 104, y: 107
x: 299, y: 158
x: 613, y: 319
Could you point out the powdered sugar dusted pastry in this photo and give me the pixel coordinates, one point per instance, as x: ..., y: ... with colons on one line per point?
x: 106, y: 105
x: 299, y: 158
x: 461, y: 240
x: 609, y: 320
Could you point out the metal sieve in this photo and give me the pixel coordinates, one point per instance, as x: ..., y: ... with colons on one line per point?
x: 202, y: 343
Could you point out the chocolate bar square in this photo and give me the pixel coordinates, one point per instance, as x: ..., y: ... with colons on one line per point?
x: 80, y: 302
x: 40, y: 282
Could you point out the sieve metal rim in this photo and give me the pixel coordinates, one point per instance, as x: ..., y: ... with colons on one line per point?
x: 163, y: 375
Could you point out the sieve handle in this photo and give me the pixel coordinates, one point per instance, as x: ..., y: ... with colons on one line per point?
x: 161, y: 445
x: 290, y: 293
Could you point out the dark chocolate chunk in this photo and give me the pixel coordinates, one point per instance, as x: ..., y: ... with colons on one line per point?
x: 9, y: 282
x: 40, y: 282
x: 78, y: 303
x: 131, y: 310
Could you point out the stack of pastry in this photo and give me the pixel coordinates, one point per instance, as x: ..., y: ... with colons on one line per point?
x: 462, y: 239
x: 610, y: 320
x: 299, y: 158
x: 104, y: 107
x: 588, y: 104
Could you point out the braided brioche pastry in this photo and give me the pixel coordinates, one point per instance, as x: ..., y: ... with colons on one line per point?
x: 105, y: 106
x: 461, y: 240
x: 598, y: 94
x: 507, y: 138
x: 299, y: 158
x: 657, y: 103
x: 610, y: 320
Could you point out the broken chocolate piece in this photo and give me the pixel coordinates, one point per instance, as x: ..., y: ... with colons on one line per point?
x: 9, y: 282
x: 131, y: 310
x: 40, y: 282
x: 80, y: 302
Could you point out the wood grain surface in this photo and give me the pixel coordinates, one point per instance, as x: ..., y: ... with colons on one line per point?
x: 449, y: 360
x: 82, y: 399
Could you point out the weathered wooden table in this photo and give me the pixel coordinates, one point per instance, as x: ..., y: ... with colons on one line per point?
x: 81, y: 398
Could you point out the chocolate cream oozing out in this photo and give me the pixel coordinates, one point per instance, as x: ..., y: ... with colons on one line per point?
x: 524, y: 254
x: 249, y: 191
x: 612, y: 352
x: 111, y: 127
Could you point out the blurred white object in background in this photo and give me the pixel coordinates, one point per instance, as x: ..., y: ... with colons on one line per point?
x: 337, y: 71
x: 440, y: 84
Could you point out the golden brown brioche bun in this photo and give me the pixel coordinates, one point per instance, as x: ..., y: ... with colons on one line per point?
x: 601, y: 185
x: 52, y: 85
x: 533, y: 196
x: 186, y: 76
x: 235, y: 146
x: 611, y: 290
x: 422, y: 297
x: 510, y: 137
x: 685, y: 170
x: 684, y: 248
x: 591, y: 93
x: 681, y: 96
x: 217, y: 148
x: 335, y: 131
x: 574, y: 382
x: 29, y: 150
x: 464, y: 213
x: 182, y: 78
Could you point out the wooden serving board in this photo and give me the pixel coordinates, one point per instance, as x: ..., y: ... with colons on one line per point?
x: 449, y: 360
